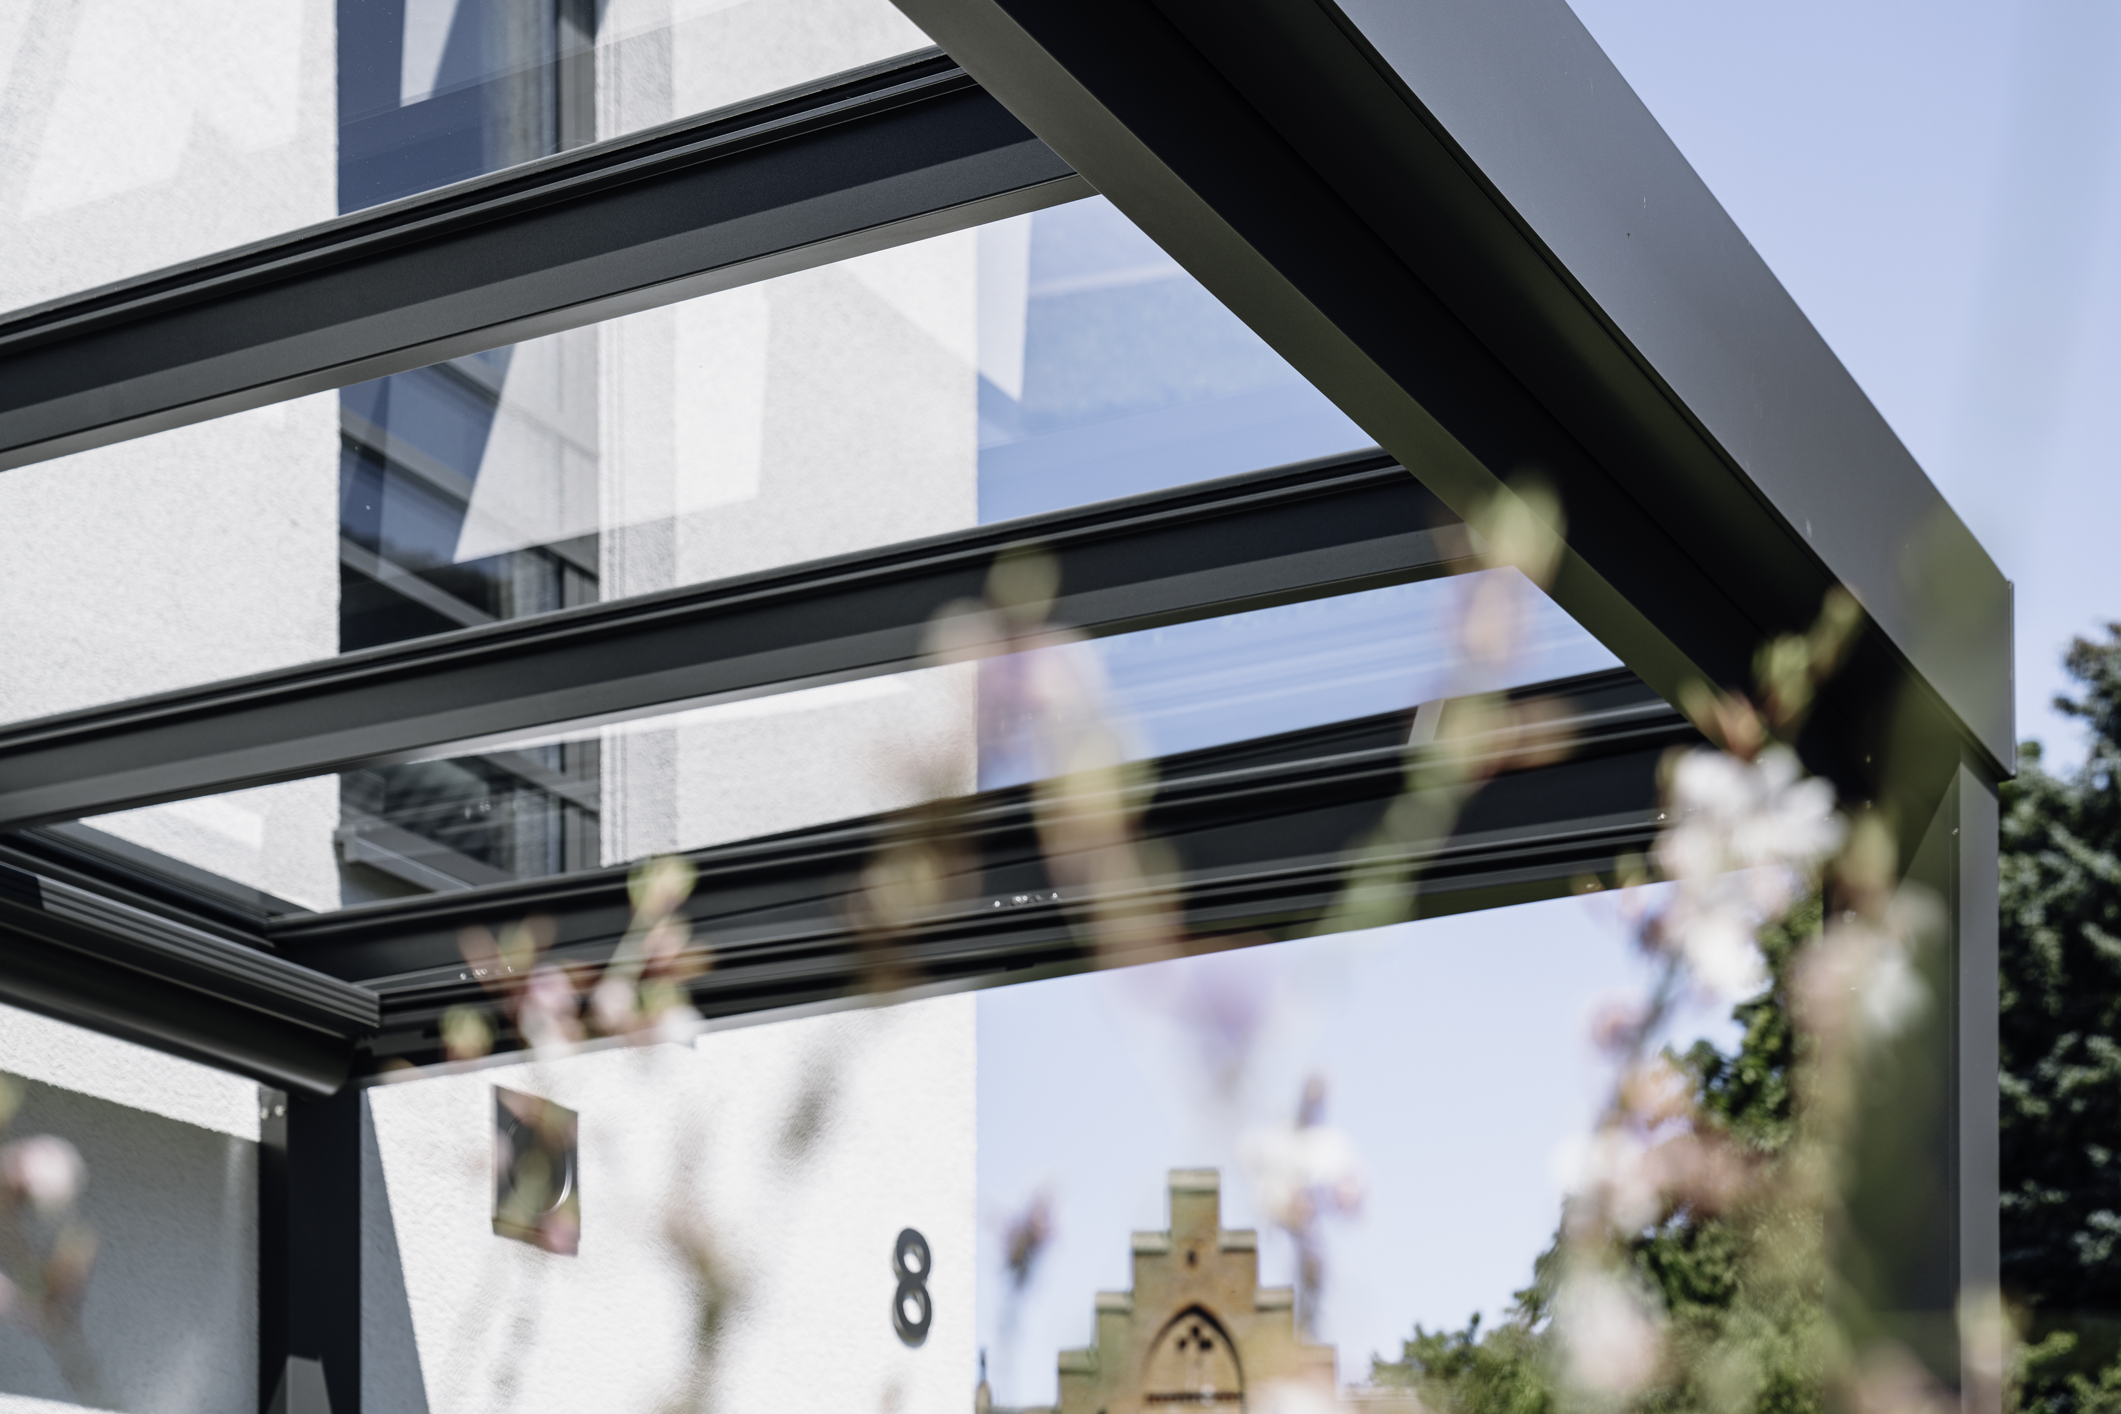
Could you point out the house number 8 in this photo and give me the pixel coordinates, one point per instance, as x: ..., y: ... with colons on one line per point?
x: 911, y: 1309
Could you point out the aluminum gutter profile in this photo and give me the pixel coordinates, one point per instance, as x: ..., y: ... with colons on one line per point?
x: 1260, y: 832
x: 156, y: 979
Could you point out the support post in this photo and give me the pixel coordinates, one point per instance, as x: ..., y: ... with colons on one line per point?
x: 1923, y: 1250
x: 309, y: 1249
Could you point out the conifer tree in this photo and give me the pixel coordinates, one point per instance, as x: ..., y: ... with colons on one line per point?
x: 2061, y: 1051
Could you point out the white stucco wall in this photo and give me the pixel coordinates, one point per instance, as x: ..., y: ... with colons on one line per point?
x: 664, y: 59
x: 170, y: 1316
x: 202, y: 553
x: 137, y: 136
x: 811, y: 415
x: 798, y: 1149
x: 134, y: 137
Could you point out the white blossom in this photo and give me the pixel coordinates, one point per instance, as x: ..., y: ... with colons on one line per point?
x: 1745, y: 838
x: 1611, y: 1168
x: 1303, y: 1170
x: 1292, y: 1397
x: 45, y: 1169
x: 1611, y: 1334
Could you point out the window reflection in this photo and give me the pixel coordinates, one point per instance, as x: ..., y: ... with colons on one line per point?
x: 1106, y: 370
x: 1037, y: 363
x: 434, y: 91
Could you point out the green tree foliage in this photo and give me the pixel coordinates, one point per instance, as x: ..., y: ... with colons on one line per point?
x: 1738, y: 1317
x: 2061, y: 1142
x: 2061, y: 1050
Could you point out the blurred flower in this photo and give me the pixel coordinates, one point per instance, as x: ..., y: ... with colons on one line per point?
x: 659, y: 886
x: 1292, y: 1397
x: 1611, y: 1333
x: 1733, y: 814
x: 66, y: 1271
x: 611, y: 1006
x: 1859, y: 981
x: 44, y: 1169
x: 1656, y: 1092
x: 1608, y: 1173
x: 1617, y: 1025
x: 1025, y: 1237
x: 548, y: 1012
x: 1746, y: 837
x: 466, y: 1035
x: 1301, y: 1174
x: 1304, y: 1171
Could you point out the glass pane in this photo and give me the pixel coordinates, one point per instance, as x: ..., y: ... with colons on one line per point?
x: 729, y: 771
x: 1039, y: 362
x: 141, y: 136
x: 1115, y: 372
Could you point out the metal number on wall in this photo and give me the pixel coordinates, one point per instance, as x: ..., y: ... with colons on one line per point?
x: 911, y: 1309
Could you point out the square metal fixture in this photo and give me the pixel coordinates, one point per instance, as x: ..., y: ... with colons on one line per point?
x: 537, y: 1196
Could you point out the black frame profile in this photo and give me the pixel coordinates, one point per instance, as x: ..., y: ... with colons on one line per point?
x: 874, y: 158
x: 1455, y: 219
x: 1260, y: 831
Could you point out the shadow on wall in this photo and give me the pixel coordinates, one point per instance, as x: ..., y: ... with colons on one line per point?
x: 170, y: 1316
x: 391, y: 1379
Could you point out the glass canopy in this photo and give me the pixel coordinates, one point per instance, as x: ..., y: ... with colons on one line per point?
x: 1035, y: 363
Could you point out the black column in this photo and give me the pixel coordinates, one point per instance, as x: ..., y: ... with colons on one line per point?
x: 309, y: 1255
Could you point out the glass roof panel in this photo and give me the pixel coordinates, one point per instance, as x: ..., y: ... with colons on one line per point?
x: 679, y: 780
x: 141, y: 137
x: 1036, y: 363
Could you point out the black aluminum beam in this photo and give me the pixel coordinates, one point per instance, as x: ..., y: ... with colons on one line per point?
x: 146, y: 976
x: 869, y: 159
x: 1261, y: 830
x: 1581, y: 161
x: 1216, y: 547
x: 1710, y: 492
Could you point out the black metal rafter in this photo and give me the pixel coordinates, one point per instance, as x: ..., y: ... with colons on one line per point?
x: 863, y: 160
x: 1212, y: 548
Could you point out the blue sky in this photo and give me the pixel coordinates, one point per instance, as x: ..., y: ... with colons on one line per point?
x: 1935, y: 182
x: 1455, y: 1059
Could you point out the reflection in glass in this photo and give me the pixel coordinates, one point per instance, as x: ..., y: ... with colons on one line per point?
x: 1106, y: 370
x: 1035, y: 364
x: 140, y: 136
x: 730, y: 771
x: 434, y: 91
